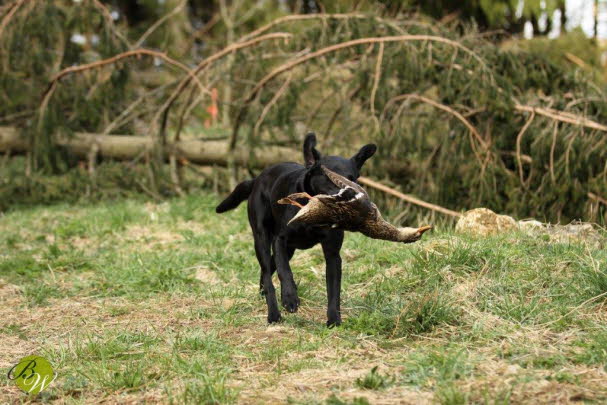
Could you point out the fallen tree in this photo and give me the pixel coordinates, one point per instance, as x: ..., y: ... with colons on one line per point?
x: 128, y: 147
x: 456, y: 118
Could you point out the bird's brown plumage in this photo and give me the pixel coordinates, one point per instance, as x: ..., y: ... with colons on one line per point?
x: 356, y: 214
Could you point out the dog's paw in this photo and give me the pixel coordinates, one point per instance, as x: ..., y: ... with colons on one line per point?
x: 334, y: 319
x: 290, y: 302
x: 274, y: 317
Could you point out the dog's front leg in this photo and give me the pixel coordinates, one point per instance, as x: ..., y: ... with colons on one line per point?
x: 331, y: 247
x: 288, y: 289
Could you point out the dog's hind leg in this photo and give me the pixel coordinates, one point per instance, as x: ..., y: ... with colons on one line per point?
x: 261, y: 289
x: 264, y: 256
x: 260, y: 219
x: 288, y: 289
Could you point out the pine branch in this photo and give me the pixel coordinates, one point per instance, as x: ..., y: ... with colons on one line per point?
x: 360, y: 41
x: 333, y: 48
x: 268, y: 106
x: 164, y: 109
x: 519, y: 138
x: 410, y: 199
x: 597, y: 198
x: 443, y: 107
x: 562, y: 116
x: 116, y: 58
x: 10, y: 15
x: 97, y: 64
x: 158, y: 23
x: 298, y: 17
x: 110, y: 22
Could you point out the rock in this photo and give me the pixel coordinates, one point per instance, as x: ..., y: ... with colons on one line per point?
x: 575, y: 233
x: 530, y: 225
x: 483, y: 222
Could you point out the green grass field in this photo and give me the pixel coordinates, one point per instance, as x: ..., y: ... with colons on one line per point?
x: 138, y: 302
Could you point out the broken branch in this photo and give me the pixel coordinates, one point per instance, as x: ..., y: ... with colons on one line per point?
x: 595, y: 197
x: 410, y: 199
x: 562, y: 116
x: 360, y: 41
x: 10, y: 15
x: 443, y: 107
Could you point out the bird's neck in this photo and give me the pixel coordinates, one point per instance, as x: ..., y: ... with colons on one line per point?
x: 381, y: 229
x: 378, y: 228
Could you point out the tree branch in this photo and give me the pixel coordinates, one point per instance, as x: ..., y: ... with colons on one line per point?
x: 360, y: 41
x: 597, y: 198
x: 10, y: 15
x: 298, y: 17
x: 443, y: 107
x: 410, y: 199
x: 519, y: 138
x: 158, y: 23
x: 114, y: 59
x: 562, y: 116
x: 208, y: 61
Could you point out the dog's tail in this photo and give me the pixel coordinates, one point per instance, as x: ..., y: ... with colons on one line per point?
x: 240, y: 193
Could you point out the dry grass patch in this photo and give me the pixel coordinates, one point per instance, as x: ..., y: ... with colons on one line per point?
x: 152, y: 303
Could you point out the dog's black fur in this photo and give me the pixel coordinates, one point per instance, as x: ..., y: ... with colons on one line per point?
x: 269, y: 223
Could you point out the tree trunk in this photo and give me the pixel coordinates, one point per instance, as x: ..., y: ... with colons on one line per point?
x: 126, y: 147
x: 595, y: 30
x: 563, y: 9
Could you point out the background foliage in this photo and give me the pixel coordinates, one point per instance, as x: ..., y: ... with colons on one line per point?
x: 443, y: 102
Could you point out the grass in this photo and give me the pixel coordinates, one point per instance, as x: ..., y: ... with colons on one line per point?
x: 374, y: 380
x: 133, y: 301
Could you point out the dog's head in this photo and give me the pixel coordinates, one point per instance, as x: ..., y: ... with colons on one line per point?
x: 315, y: 181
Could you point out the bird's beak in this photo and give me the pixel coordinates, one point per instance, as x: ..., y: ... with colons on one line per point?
x: 423, y: 229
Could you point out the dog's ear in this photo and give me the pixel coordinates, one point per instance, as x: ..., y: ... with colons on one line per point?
x: 363, y: 154
x: 311, y: 155
x: 312, y: 170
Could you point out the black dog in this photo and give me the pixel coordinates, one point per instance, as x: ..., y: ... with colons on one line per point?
x: 269, y: 223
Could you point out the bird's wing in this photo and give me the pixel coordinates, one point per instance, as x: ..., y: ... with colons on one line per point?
x: 345, y: 195
x: 343, y: 183
x: 327, y: 198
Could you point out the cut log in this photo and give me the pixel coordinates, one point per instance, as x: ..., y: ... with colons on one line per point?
x: 10, y: 140
x: 125, y: 147
x: 128, y: 147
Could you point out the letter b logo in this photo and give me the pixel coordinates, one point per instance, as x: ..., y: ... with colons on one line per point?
x: 32, y: 374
